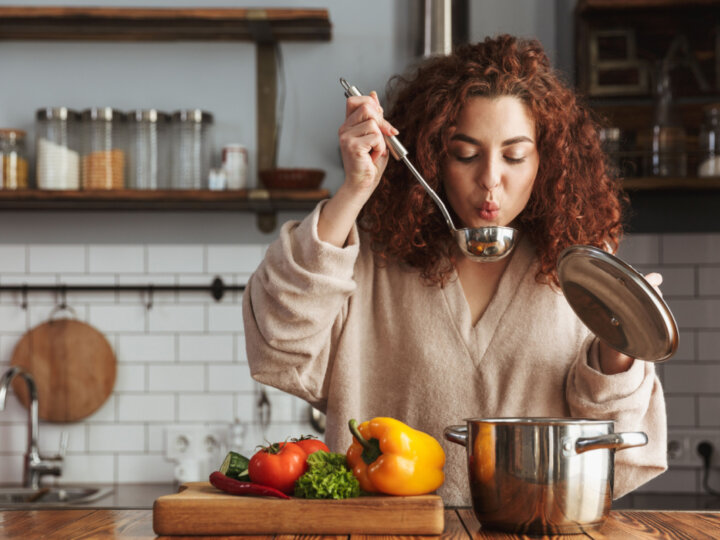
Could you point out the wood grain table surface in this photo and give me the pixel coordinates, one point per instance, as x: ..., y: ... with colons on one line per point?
x: 460, y: 524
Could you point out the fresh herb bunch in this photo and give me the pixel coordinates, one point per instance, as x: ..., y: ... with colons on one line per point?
x: 327, y: 477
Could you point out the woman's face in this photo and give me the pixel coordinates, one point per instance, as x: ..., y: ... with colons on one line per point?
x: 492, y: 161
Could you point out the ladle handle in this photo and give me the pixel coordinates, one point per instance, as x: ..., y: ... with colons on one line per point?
x: 399, y: 152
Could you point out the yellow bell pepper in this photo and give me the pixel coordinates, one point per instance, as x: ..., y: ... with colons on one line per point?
x: 390, y: 457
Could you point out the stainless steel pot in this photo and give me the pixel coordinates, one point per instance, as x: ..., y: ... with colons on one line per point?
x: 541, y: 475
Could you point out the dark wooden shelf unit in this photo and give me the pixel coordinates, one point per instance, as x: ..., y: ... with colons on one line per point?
x: 618, y: 50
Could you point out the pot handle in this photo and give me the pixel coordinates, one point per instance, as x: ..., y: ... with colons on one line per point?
x: 456, y: 434
x: 615, y: 441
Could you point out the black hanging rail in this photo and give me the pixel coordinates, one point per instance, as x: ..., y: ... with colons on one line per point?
x: 217, y: 289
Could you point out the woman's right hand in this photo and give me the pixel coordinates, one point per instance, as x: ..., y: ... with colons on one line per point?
x: 365, y: 157
x: 362, y: 143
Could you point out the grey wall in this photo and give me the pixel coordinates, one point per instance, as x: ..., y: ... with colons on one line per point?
x: 526, y: 18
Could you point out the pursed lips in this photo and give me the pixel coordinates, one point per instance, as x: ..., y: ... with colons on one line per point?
x: 488, y: 210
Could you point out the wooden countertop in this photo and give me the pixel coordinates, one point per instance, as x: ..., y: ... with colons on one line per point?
x: 460, y: 524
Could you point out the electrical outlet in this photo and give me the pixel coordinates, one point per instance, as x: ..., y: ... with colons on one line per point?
x: 193, y: 443
x: 682, y: 447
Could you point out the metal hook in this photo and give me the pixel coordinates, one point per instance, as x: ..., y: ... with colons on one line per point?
x: 263, y: 411
x: 217, y: 288
x: 62, y: 305
x: 63, y: 297
x: 24, y: 301
x: 151, y: 292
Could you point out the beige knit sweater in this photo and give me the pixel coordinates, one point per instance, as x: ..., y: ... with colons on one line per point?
x: 359, y: 340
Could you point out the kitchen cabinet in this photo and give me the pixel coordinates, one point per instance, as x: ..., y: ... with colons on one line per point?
x: 460, y: 523
x: 621, y: 49
x: 265, y: 27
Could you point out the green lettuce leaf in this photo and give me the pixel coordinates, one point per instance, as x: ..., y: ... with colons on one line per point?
x: 327, y: 477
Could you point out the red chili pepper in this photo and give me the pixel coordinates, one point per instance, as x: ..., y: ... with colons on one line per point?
x: 236, y: 487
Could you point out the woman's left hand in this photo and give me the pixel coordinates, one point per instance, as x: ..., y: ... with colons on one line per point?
x: 612, y: 361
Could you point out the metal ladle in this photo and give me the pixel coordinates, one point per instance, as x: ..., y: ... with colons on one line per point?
x: 483, y: 244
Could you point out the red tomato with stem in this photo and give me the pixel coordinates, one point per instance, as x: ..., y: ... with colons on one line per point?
x: 311, y: 444
x: 278, y: 466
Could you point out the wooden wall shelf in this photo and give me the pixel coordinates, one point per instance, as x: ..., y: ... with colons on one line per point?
x: 143, y: 24
x: 264, y: 27
x: 655, y: 183
x: 257, y: 200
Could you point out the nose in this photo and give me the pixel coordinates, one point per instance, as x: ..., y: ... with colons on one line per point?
x: 489, y: 174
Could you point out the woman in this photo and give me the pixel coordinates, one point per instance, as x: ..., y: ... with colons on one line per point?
x: 367, y: 307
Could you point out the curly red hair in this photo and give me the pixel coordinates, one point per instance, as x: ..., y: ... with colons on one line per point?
x: 575, y: 199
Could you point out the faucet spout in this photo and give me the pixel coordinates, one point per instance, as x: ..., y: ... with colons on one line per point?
x: 35, y: 465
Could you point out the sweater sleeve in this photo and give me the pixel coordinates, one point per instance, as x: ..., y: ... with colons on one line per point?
x: 293, y: 308
x: 634, y: 400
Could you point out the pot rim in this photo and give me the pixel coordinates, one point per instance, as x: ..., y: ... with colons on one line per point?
x: 541, y: 421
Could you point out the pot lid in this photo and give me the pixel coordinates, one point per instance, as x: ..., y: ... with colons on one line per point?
x: 617, y: 304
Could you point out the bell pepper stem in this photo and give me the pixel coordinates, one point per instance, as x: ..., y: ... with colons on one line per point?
x: 371, y: 448
x: 356, y: 433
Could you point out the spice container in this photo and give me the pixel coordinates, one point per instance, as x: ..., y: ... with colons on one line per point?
x: 14, y: 171
x: 191, y: 148
x: 104, y: 148
x: 57, y: 148
x: 148, y: 149
x: 709, y: 142
x: 235, y: 163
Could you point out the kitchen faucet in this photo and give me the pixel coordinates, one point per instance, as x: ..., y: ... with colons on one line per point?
x: 36, y: 465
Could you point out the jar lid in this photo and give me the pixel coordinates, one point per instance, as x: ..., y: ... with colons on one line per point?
x: 617, y: 304
x: 102, y: 113
x: 148, y: 115
x: 12, y: 134
x: 193, y: 115
x: 56, y: 113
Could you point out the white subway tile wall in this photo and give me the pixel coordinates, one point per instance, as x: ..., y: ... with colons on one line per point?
x: 690, y: 266
x: 182, y: 360
x: 13, y: 259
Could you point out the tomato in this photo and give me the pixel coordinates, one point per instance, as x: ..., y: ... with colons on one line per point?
x: 310, y: 444
x: 278, y: 466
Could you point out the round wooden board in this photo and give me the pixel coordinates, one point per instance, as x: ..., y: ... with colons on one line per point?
x: 73, y: 365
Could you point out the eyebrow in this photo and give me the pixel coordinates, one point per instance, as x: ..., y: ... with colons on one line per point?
x: 508, y: 142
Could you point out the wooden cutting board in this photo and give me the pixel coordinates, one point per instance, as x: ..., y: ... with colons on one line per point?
x: 73, y: 365
x: 200, y: 509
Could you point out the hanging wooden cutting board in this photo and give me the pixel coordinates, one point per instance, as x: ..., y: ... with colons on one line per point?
x: 73, y: 365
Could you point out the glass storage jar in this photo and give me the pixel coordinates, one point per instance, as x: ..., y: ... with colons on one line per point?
x: 14, y: 171
x: 709, y: 142
x: 148, y: 149
x: 104, y: 148
x: 191, y: 152
x: 667, y: 153
x: 57, y: 148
